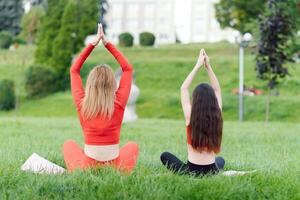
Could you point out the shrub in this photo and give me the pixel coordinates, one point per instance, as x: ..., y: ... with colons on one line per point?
x: 126, y: 39
x: 6, y: 40
x: 147, y: 39
x: 7, y: 95
x: 19, y: 40
x: 40, y: 81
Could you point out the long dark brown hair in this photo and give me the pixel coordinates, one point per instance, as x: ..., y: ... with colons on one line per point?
x: 206, y: 120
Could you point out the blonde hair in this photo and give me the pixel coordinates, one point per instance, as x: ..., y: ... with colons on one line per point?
x: 99, y: 93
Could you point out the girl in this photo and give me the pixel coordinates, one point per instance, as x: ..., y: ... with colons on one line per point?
x: 100, y: 109
x: 204, y: 124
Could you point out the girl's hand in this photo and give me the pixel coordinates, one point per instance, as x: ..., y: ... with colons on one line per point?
x: 102, y: 35
x: 201, y: 58
x: 206, y: 60
x: 98, y: 36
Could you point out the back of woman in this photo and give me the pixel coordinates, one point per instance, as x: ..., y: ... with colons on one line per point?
x: 204, y: 125
x: 100, y: 106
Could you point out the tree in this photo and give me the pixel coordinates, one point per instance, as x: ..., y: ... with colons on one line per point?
x: 66, y: 43
x: 31, y: 22
x: 78, y: 21
x: 277, y: 31
x: 243, y: 15
x: 11, y: 12
x: 87, y: 19
x: 63, y: 32
x: 48, y: 31
x: 239, y: 15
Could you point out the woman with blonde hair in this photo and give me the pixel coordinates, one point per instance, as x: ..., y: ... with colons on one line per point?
x: 100, y: 108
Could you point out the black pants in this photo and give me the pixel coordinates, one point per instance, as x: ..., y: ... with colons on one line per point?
x: 176, y: 165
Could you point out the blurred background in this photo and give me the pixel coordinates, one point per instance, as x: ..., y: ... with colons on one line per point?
x: 253, y: 46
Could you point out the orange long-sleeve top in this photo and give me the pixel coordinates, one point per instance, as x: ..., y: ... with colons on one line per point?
x: 102, y: 130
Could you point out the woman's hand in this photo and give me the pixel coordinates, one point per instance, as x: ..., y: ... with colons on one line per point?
x: 206, y: 60
x: 98, y: 36
x: 201, y: 58
x: 102, y: 35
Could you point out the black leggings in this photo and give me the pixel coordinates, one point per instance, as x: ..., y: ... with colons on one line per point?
x: 176, y: 165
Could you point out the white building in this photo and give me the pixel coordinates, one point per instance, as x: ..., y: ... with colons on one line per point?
x: 198, y: 22
x: 136, y: 16
x: 188, y: 20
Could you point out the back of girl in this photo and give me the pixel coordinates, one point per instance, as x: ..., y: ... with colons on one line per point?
x: 204, y: 125
x: 100, y: 106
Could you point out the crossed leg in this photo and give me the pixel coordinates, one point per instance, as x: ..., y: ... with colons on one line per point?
x: 76, y: 159
x: 128, y: 157
x: 173, y: 163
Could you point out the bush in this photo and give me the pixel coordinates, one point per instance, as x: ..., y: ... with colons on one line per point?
x: 19, y: 40
x: 147, y: 39
x: 6, y: 40
x: 126, y: 39
x: 7, y: 95
x: 40, y: 81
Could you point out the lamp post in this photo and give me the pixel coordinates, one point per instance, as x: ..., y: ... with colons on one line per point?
x: 243, y: 43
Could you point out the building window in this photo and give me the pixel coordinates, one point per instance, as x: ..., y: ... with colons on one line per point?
x: 149, y: 11
x: 116, y: 10
x: 133, y: 10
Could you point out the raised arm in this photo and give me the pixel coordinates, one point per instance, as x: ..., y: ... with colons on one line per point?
x: 76, y: 82
x: 213, y: 80
x: 123, y: 91
x: 184, y: 90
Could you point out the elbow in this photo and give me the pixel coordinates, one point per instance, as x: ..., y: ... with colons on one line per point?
x: 128, y: 68
x: 217, y: 90
x: 73, y: 70
x: 183, y: 88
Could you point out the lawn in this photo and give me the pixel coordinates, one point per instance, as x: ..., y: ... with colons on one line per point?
x: 159, y: 73
x: 272, y: 149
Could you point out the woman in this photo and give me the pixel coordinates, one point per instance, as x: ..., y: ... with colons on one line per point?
x: 204, y: 124
x: 100, y: 108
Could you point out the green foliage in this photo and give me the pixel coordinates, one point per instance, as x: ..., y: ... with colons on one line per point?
x: 6, y: 40
x: 147, y: 39
x: 87, y: 16
x: 126, y: 39
x: 7, y: 95
x: 274, y: 48
x: 11, y: 12
x: 31, y: 22
x: 48, y: 31
x: 239, y: 15
x: 19, y: 40
x: 243, y: 15
x: 68, y: 27
x: 65, y: 44
x: 76, y: 24
x: 40, y: 81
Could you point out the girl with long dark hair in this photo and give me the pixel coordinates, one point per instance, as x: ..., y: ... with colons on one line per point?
x: 204, y: 125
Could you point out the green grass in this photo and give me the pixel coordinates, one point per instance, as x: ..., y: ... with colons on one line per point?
x: 159, y: 74
x: 272, y: 149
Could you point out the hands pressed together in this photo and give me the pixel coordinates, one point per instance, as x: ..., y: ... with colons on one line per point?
x: 202, y: 59
x: 100, y: 36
